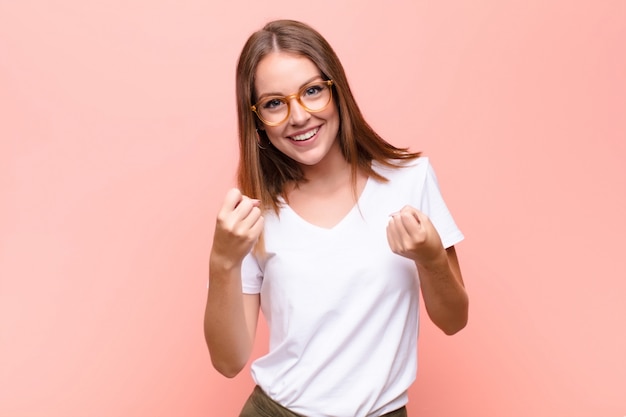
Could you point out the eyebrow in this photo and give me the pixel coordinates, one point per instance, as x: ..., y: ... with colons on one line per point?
x: 310, y: 80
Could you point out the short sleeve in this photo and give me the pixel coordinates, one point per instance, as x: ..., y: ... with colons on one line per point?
x: 433, y: 205
x: 251, y: 275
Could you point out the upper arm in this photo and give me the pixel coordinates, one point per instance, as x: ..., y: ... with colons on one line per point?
x: 251, y: 306
x: 453, y: 261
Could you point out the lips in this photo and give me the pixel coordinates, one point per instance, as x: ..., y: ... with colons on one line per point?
x: 305, y: 136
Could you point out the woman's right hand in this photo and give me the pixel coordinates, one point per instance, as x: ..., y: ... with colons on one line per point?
x: 238, y: 226
x: 230, y: 317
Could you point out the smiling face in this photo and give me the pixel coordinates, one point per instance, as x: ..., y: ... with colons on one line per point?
x: 307, y: 138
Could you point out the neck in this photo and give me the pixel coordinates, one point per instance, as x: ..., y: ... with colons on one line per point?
x: 328, y: 176
x: 333, y: 170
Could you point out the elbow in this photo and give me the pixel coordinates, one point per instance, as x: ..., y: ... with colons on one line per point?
x: 458, y: 321
x: 454, y: 328
x: 225, y: 360
x: 228, y: 370
x: 226, y: 363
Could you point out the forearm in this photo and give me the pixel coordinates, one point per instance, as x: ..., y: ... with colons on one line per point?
x: 444, y: 294
x: 226, y: 329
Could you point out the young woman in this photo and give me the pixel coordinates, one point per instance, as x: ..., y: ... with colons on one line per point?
x: 332, y: 233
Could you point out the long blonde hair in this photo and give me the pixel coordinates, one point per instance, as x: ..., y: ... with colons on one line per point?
x: 263, y: 173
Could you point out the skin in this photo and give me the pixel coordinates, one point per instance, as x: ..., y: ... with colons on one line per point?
x: 231, y: 316
x: 411, y: 234
x: 324, y: 199
x: 284, y: 74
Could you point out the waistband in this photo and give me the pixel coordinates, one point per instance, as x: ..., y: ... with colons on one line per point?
x: 259, y: 404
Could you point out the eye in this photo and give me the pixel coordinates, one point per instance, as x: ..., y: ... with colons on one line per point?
x: 313, y: 90
x: 272, y: 104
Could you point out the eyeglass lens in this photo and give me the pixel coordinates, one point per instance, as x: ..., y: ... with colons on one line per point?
x: 313, y: 97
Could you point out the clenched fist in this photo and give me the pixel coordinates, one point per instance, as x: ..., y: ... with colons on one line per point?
x: 411, y: 234
x: 238, y: 226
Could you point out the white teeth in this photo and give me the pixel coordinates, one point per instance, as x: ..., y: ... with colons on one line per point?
x: 307, y: 135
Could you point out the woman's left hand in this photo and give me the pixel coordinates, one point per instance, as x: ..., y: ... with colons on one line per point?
x: 411, y: 234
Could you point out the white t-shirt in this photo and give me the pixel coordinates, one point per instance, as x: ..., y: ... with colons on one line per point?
x: 342, y: 309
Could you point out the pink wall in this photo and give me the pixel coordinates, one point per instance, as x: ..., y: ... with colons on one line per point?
x: 117, y: 142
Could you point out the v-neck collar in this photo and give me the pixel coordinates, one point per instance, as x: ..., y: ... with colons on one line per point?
x: 354, y: 211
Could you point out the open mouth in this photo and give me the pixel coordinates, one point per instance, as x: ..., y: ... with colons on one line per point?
x: 305, y: 136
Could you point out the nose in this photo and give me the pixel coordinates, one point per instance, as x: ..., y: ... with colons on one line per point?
x: 298, y: 115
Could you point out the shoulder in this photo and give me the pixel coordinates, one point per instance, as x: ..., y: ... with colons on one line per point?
x: 412, y: 170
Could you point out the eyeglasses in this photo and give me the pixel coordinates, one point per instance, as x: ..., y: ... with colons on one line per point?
x: 313, y: 97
